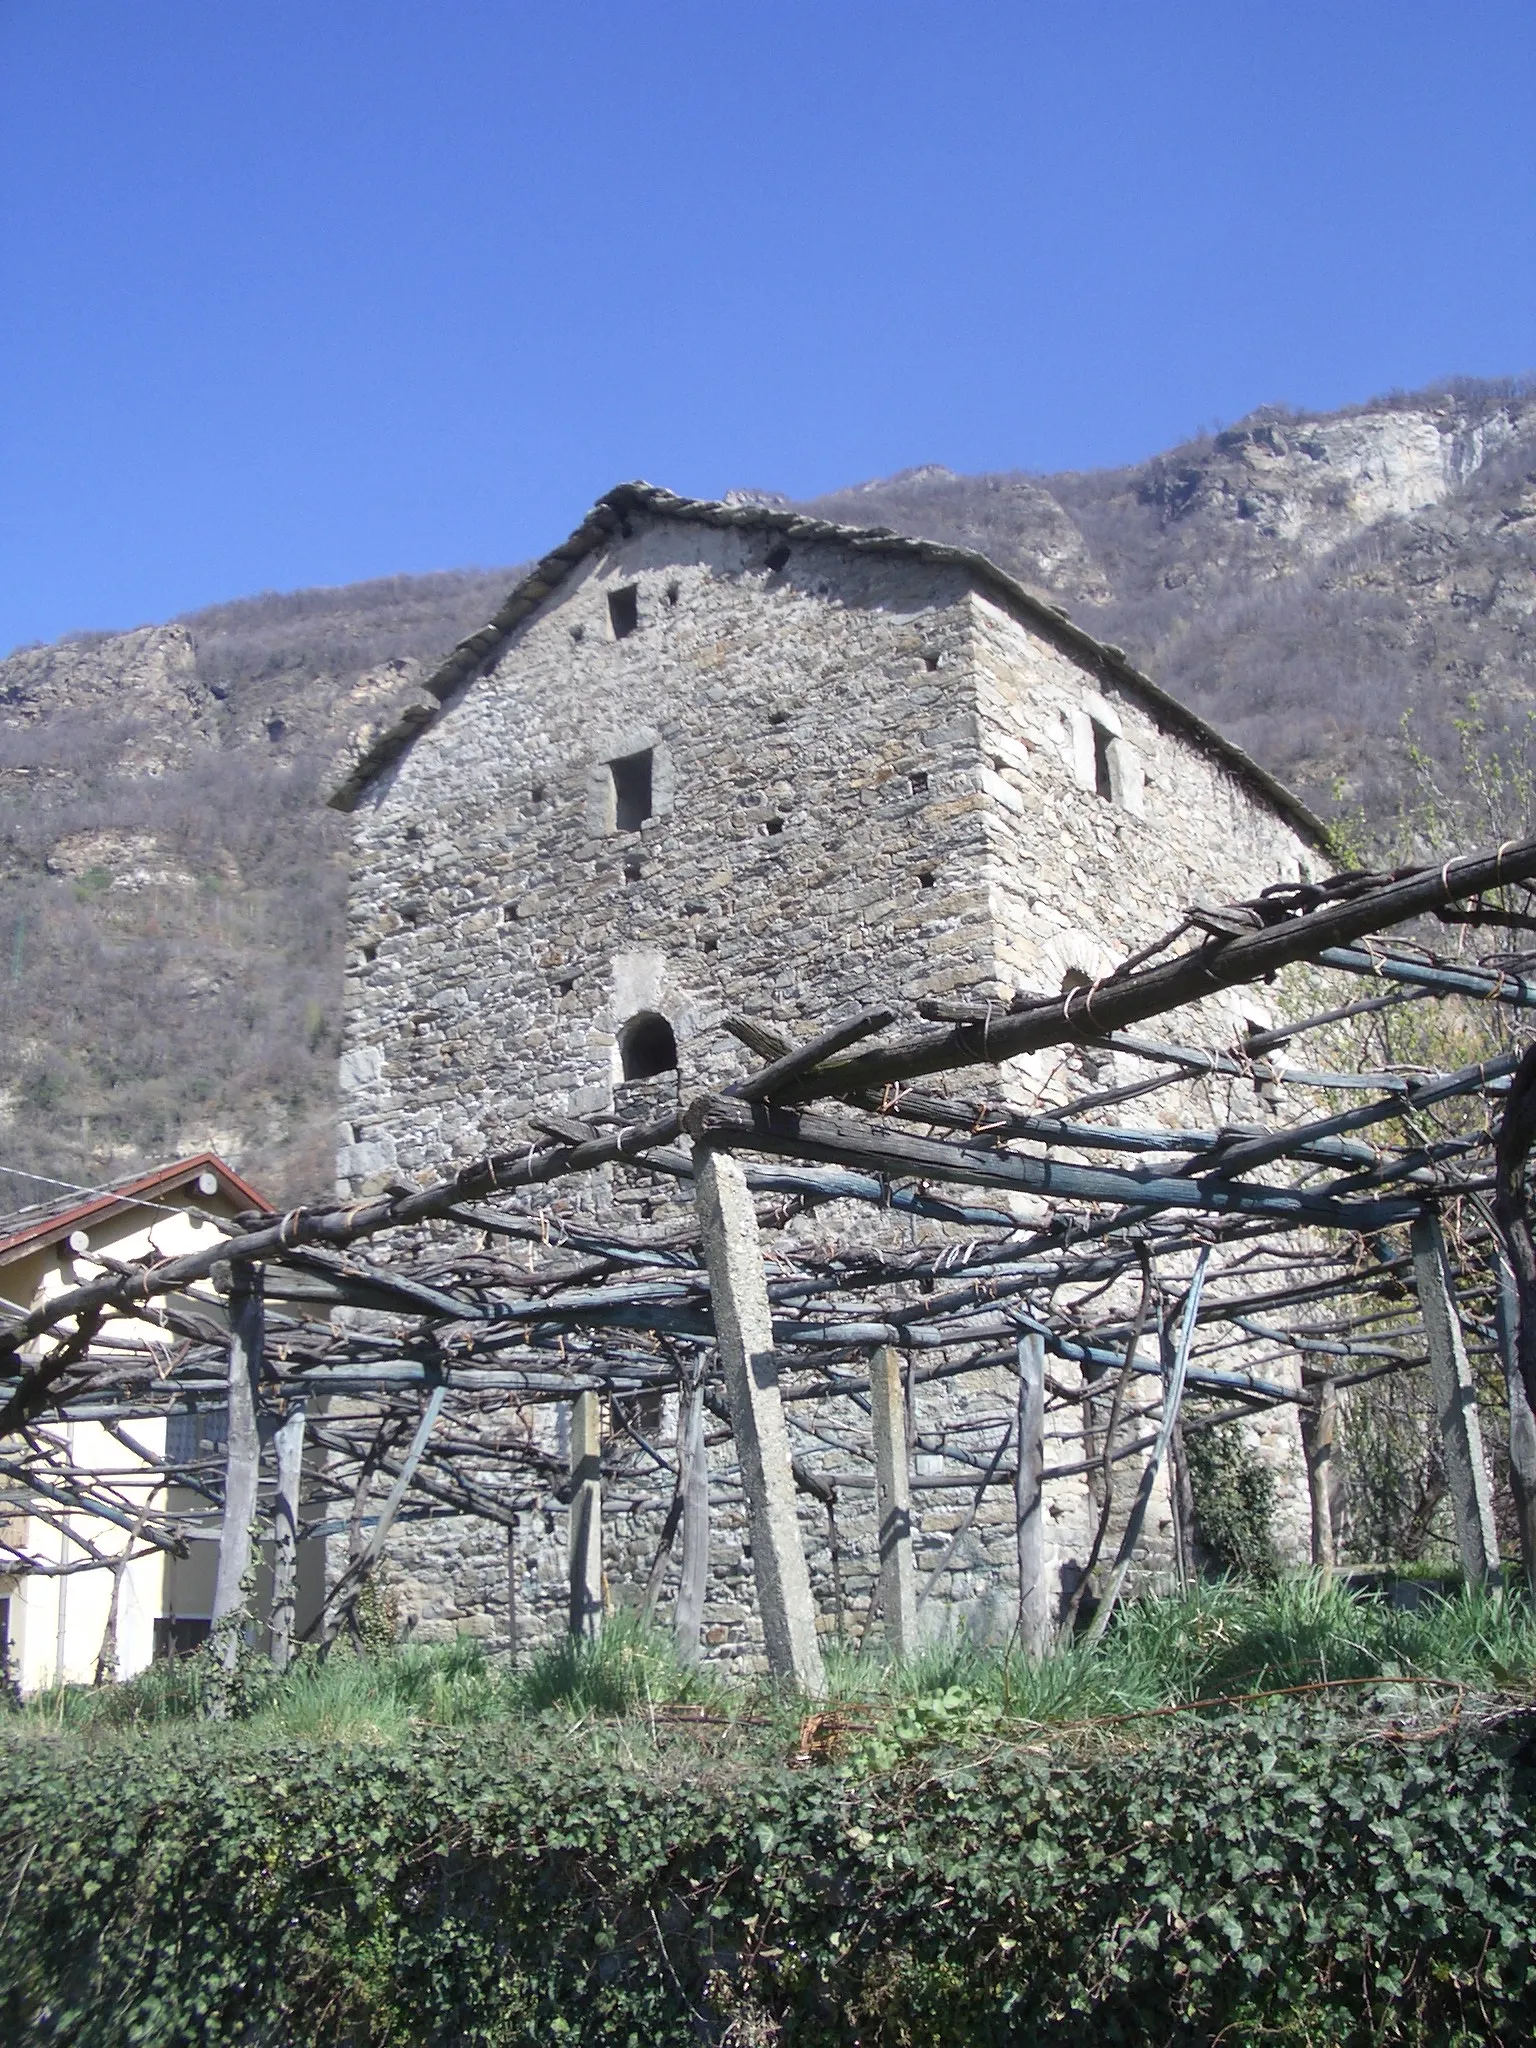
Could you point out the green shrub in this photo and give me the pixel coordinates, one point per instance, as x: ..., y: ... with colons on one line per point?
x: 1234, y: 1495
x: 627, y: 1669
x: 1286, y: 1876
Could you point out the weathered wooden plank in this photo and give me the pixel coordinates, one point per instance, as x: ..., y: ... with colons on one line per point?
x: 790, y: 1066
x: 804, y: 1134
x: 1223, y: 963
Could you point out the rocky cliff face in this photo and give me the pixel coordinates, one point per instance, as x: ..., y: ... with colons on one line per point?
x: 171, y: 886
x: 1302, y: 580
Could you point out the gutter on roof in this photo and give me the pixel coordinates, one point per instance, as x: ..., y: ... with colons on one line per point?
x: 611, y: 514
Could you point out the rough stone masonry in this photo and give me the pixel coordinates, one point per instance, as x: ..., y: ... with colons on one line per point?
x: 714, y: 758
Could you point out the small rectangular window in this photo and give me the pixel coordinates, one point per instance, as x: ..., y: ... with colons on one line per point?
x: 632, y: 794
x: 1103, y: 780
x: 624, y: 610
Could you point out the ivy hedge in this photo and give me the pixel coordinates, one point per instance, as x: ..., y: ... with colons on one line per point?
x: 1282, y: 1875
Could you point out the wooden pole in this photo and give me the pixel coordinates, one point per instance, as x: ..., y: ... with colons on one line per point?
x: 1036, y: 1620
x: 288, y: 1440
x: 242, y: 1463
x: 1461, y: 1433
x: 893, y: 1504
x: 347, y: 1588
x: 1173, y: 1397
x: 586, y: 1517
x: 106, y: 1656
x: 1127, y: 999
x: 688, y: 1613
x: 744, y: 1337
x: 801, y: 1135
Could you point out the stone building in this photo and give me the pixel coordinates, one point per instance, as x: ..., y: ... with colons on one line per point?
x: 721, y: 757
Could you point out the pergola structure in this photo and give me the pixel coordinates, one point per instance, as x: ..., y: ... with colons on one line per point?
x: 481, y: 1296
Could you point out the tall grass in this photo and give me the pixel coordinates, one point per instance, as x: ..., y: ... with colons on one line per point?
x: 1213, y: 1641
x: 1226, y: 1638
x: 628, y: 1670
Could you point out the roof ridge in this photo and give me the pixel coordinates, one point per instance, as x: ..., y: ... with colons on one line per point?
x: 27, y: 1225
x: 612, y: 512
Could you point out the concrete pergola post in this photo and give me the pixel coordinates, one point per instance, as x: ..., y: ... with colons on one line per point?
x: 288, y: 1440
x: 1450, y: 1375
x: 242, y: 1463
x: 1319, y: 1430
x: 893, y: 1504
x: 744, y: 1339
x: 586, y: 1517
x: 1522, y: 1423
x: 693, y: 1580
x: 1036, y: 1621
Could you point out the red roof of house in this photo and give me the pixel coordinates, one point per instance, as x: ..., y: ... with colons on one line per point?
x: 80, y: 1210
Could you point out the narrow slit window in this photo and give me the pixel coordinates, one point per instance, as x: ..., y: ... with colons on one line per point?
x: 624, y: 610
x: 1103, y: 780
x: 633, y: 791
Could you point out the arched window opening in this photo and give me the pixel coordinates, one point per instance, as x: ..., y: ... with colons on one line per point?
x: 647, y: 1047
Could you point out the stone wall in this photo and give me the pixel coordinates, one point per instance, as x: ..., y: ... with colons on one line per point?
x: 868, y: 780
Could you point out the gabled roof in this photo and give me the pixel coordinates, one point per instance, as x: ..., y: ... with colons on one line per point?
x: 158, y: 1188
x: 613, y: 513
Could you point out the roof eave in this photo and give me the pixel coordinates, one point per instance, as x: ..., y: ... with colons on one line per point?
x: 109, y: 1202
x: 611, y: 514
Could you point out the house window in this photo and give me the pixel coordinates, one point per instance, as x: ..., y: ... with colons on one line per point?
x: 624, y: 610
x: 632, y: 790
x: 1103, y: 778
x: 178, y: 1635
x: 647, y: 1047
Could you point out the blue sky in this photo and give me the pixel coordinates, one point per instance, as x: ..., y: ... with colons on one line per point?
x: 299, y: 293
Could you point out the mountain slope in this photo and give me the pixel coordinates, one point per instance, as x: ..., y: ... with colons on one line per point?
x: 172, y: 888
x: 1301, y: 580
